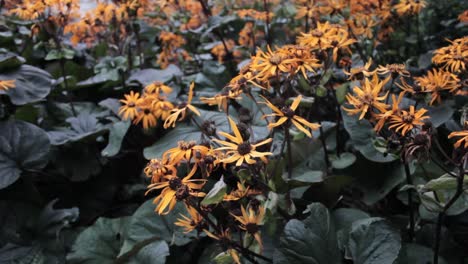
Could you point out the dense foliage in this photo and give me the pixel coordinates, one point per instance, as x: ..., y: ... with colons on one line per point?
x: 301, y: 131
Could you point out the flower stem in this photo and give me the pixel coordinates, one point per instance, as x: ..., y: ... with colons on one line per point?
x: 409, y: 181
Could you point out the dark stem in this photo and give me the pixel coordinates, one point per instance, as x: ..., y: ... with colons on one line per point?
x: 324, y: 146
x: 338, y: 123
x: 409, y: 181
x: 289, y: 156
x: 267, y: 26
x: 65, y: 82
x: 440, y: 218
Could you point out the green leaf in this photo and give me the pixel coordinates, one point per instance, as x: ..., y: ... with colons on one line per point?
x: 116, y: 134
x: 361, y: 134
x: 216, y: 194
x: 373, y: 241
x: 9, y: 60
x: 99, y: 243
x: 154, y: 253
x: 81, y: 126
x: 304, y: 176
x: 147, y: 76
x: 23, y: 146
x: 343, y: 161
x: 341, y: 92
x: 145, y: 223
x: 344, y: 218
x: 32, y: 84
x: 310, y: 241
x: 440, y: 114
x: 444, y: 182
x: 57, y: 54
x: 51, y: 221
x: 416, y: 254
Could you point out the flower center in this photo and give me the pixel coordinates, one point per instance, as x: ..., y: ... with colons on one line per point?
x: 175, y: 183
x: 182, y: 192
x: 252, y: 228
x: 368, y: 99
x: 407, y: 118
x: 317, y: 33
x: 244, y: 148
x: 288, y: 112
x: 186, y: 145
x: 131, y: 104
x: 275, y: 59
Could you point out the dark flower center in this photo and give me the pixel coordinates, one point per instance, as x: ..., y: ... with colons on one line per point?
x: 147, y: 111
x: 288, y: 112
x: 244, y: 148
x: 131, y: 104
x: 252, y: 228
x: 175, y: 183
x: 407, y: 118
x: 275, y: 59
x: 182, y: 192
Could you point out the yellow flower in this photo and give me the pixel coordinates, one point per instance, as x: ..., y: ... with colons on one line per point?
x: 454, y: 57
x: 180, y: 112
x: 463, y: 134
x: 303, y: 60
x: 240, y: 192
x: 175, y: 189
x: 156, y: 169
x: 394, y: 70
x: 239, y: 150
x: 129, y: 110
x: 405, y: 121
x: 383, y: 117
x: 163, y: 109
x: 320, y: 37
x: 359, y: 73
x: 367, y: 98
x: 409, y: 7
x: 146, y: 114
x: 195, y: 221
x: 222, y: 99
x: 184, y: 152
x: 287, y: 117
x: 269, y: 64
x: 437, y: 81
x: 225, y: 239
x: 7, y: 84
x: 251, y: 221
x: 156, y: 88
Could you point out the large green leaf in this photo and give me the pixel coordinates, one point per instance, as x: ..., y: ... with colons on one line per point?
x: 362, y: 135
x: 23, y: 146
x: 32, y: 84
x: 147, y: 76
x: 81, y: 126
x: 310, y: 241
x: 9, y: 60
x: 216, y: 194
x: 416, y: 254
x: 116, y: 134
x: 146, y: 223
x: 99, y: 243
x: 373, y: 241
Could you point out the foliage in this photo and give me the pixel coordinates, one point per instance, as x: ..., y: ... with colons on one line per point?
x: 233, y: 132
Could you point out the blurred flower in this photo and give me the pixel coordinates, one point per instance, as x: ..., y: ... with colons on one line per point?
x: 358, y: 73
x: 438, y: 81
x: 463, y: 134
x: 394, y: 70
x: 7, y: 84
x: 409, y: 7
x: 453, y: 57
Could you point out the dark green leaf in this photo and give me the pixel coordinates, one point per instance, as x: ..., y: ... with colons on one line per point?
x: 82, y: 126
x: 416, y: 254
x: 373, y: 241
x: 310, y: 241
x: 23, y: 146
x: 343, y: 161
x: 216, y: 194
x: 99, y: 243
x: 32, y: 84
x: 116, y: 134
x: 9, y: 60
x: 147, y: 76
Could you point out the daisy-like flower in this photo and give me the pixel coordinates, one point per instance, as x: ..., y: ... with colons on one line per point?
x: 184, y: 152
x: 304, y: 60
x: 175, y: 189
x: 394, y: 70
x: 251, y: 221
x: 180, y: 112
x: 437, y: 81
x: 157, y: 168
x: 358, y: 73
x: 269, y: 64
x: 155, y: 88
x: 146, y: 113
x: 287, y: 117
x: 240, y: 192
x: 222, y: 99
x: 409, y: 7
x: 464, y: 137
x: 129, y: 110
x: 320, y: 37
x: 224, y: 239
x: 405, y: 121
x: 194, y: 222
x: 453, y: 57
x: 7, y: 84
x: 239, y: 150
x: 367, y: 98
x: 163, y: 109
x: 383, y: 117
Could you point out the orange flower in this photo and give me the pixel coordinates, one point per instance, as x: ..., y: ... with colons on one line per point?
x: 437, y: 81
x: 129, y: 110
x: 251, y: 221
x: 180, y: 112
x: 7, y: 84
x: 405, y: 121
x: 367, y: 97
x: 463, y: 134
x: 241, y: 151
x: 287, y: 116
